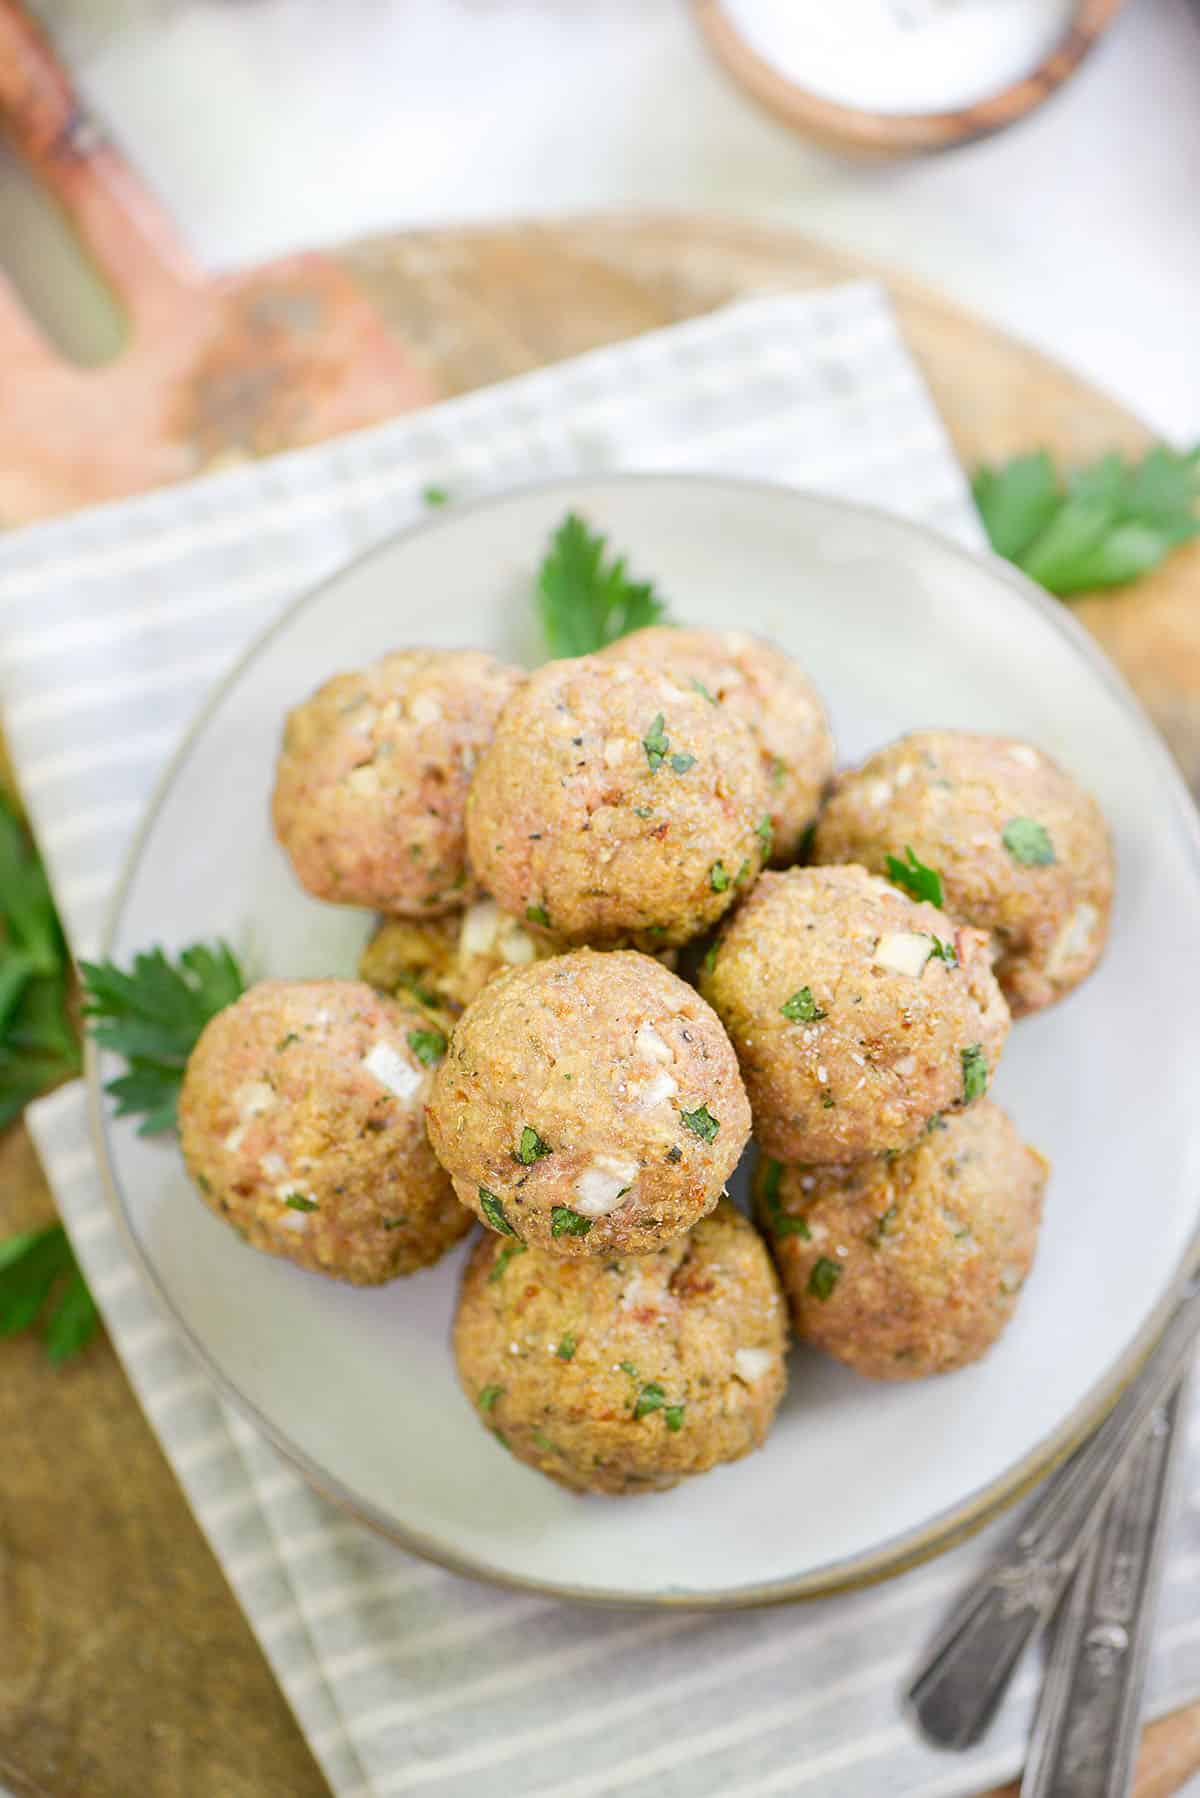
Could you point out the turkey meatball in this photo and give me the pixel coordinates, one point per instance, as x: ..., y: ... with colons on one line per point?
x: 616, y: 804
x: 912, y: 1266
x: 372, y: 779
x: 625, y: 1376
x: 302, y: 1125
x: 589, y: 1105
x: 1022, y: 851
x: 856, y: 1013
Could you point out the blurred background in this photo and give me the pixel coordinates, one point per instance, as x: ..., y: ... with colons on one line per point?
x: 266, y: 125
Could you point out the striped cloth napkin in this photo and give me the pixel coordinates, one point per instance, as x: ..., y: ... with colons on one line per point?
x: 405, y: 1679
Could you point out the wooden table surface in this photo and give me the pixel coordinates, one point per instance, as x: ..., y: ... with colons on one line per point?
x: 126, y: 1667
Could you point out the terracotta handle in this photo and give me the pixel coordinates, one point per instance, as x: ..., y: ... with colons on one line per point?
x: 127, y: 232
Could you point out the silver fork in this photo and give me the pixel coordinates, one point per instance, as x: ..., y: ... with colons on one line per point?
x: 966, y: 1669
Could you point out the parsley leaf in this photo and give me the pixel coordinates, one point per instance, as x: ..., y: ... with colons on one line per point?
x: 502, y: 1260
x: 435, y: 496
x: 779, y: 1221
x: 824, y: 1277
x: 1107, y: 523
x: 656, y: 743
x: 297, y: 1201
x: 488, y: 1396
x: 673, y: 1416
x: 537, y: 914
x: 427, y: 1045
x: 650, y: 1398
x: 566, y: 1348
x: 565, y: 1222
x: 681, y: 763
x: 702, y: 690
x: 764, y: 830
x: 802, y: 1008
x: 531, y: 1147
x: 975, y: 1073
x: 37, y: 1041
x: 493, y: 1210
x: 718, y: 877
x: 586, y: 600
x: 701, y: 1122
x: 152, y: 1016
x: 917, y: 880
x: 1028, y: 842
x: 40, y: 1282
x: 943, y: 952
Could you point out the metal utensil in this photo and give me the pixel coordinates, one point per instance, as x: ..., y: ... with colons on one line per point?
x: 1086, y: 1731
x: 966, y: 1669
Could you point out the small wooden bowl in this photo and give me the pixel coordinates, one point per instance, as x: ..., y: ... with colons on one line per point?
x: 896, y: 134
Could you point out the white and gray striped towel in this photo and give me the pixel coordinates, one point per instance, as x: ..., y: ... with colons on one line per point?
x: 113, y: 624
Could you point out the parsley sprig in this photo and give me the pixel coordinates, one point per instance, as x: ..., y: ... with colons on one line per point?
x: 42, y: 1288
x: 152, y: 1016
x: 586, y: 598
x: 37, y: 1042
x: 1100, y: 525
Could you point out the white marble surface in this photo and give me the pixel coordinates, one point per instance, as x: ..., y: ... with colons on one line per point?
x: 268, y: 124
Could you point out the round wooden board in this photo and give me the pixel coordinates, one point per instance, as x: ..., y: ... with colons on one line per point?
x: 125, y: 1663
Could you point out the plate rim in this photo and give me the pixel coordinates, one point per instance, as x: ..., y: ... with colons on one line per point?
x: 886, y: 1559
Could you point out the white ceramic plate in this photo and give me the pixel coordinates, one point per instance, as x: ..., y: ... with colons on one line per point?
x: 899, y: 629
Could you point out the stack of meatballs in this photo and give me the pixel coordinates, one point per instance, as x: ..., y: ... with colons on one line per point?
x: 628, y: 918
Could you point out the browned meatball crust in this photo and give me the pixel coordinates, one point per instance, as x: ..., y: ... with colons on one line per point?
x: 1023, y: 852
x: 616, y: 805
x: 589, y: 1105
x: 302, y: 1125
x: 911, y: 1266
x: 855, y: 1012
x: 761, y: 685
x: 625, y: 1376
x: 372, y: 779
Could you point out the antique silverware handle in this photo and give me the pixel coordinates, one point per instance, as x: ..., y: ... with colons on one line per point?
x: 1086, y: 1731
x: 965, y: 1671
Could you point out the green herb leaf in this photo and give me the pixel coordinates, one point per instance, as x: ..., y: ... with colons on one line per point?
x: 1107, y: 523
x: 943, y: 952
x: 882, y: 1225
x: 710, y: 957
x: 537, y: 914
x: 566, y: 1348
x: 673, y: 1416
x: 1028, y: 842
x: 916, y: 879
x: 975, y: 1073
x: 703, y: 690
x: 824, y: 1277
x: 435, y: 496
x: 531, y: 1148
x: 488, y: 1396
x: 40, y: 1282
x: 656, y: 743
x: 503, y: 1258
x: 493, y: 1210
x: 586, y: 600
x: 394, y: 1223
x: 296, y: 1201
x: 650, y: 1398
x: 152, y: 1016
x: 779, y: 1221
x: 565, y: 1222
x: 764, y: 830
x: 802, y: 1008
x: 681, y: 763
x: 701, y: 1123
x: 428, y: 1046
x: 629, y: 1368
x: 718, y: 877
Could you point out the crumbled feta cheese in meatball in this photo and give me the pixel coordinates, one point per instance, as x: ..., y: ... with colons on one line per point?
x: 391, y: 1070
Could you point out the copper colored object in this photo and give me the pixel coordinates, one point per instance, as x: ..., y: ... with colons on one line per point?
x: 216, y: 368
x: 858, y: 130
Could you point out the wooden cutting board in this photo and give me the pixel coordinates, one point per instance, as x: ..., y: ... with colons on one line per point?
x: 125, y: 1664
